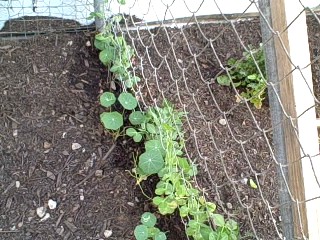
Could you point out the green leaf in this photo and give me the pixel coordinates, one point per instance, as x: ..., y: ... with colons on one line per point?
x: 151, y: 128
x: 164, y: 188
x: 211, y: 207
x: 232, y: 225
x: 252, y: 184
x: 131, y: 132
x: 218, y: 220
x: 111, y: 120
x: 128, y: 101
x: 137, y: 138
x: 141, y: 232
x: 136, y: 118
x: 151, y: 162
x: 107, y: 99
x: 122, y: 2
x: 148, y: 219
x: 157, y: 200
x: 184, y: 211
x: 160, y: 236
x: 155, y: 145
x: 106, y: 56
x: 224, y: 80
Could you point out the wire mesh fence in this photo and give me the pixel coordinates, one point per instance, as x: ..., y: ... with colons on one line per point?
x: 246, y: 87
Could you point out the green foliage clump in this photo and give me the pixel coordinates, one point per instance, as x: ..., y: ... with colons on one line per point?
x: 160, y: 128
x: 147, y: 230
x: 116, y: 54
x: 248, y: 73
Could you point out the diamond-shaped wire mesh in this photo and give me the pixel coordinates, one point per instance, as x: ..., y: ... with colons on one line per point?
x: 181, y: 49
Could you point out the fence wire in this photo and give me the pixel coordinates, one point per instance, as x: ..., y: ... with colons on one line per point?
x: 180, y: 53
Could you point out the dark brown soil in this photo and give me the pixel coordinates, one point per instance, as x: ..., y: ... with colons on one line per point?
x: 49, y: 90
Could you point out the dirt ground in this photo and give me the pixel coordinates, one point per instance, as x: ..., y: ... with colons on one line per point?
x: 53, y: 147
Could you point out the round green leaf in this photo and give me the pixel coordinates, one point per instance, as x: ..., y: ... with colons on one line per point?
x: 160, y: 236
x: 151, y: 162
x: 148, y: 219
x: 128, y: 101
x: 155, y: 145
x: 131, y: 132
x: 111, y: 120
x: 218, y: 220
x: 107, y: 99
x: 106, y: 56
x: 136, y: 118
x: 141, y: 232
x: 137, y: 138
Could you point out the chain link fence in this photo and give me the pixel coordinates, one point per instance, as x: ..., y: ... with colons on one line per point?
x: 250, y: 126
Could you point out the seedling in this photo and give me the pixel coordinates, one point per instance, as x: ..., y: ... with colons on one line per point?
x: 248, y: 73
x: 147, y: 230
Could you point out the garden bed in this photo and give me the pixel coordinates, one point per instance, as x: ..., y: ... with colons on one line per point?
x: 49, y: 101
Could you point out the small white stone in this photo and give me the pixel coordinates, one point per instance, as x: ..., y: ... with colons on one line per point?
x: 75, y: 146
x: 64, y: 135
x: 107, y: 233
x: 17, y: 184
x: 69, y: 43
x: 130, y: 204
x: 15, y: 132
x: 88, y: 44
x: 223, y: 121
x: 46, y: 216
x: 52, y: 204
x: 41, y: 212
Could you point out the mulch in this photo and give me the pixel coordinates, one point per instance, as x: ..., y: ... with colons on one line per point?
x: 48, y: 102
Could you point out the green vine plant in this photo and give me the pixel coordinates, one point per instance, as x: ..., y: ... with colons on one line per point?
x: 160, y: 130
x: 249, y: 74
x: 116, y: 54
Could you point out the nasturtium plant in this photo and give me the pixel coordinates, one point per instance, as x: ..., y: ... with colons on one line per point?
x: 155, y: 145
x: 147, y: 230
x: 151, y: 162
x: 137, y: 136
x: 141, y: 232
x: 111, y: 120
x: 107, y: 55
x: 107, y: 99
x: 128, y: 101
x: 148, y: 219
x: 136, y: 118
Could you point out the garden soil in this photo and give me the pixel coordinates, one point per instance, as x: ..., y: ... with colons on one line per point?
x: 52, y: 145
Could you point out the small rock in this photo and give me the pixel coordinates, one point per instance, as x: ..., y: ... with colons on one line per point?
x: 107, y: 233
x: 130, y: 204
x: 113, y: 85
x: 17, y: 184
x: 229, y: 205
x: 52, y: 204
x: 88, y: 43
x: 75, y: 146
x: 20, y: 224
x: 223, y: 121
x: 15, y: 132
x: 79, y: 85
x: 99, y: 173
x: 46, y: 145
x: 51, y: 175
x: 46, y: 216
x: 41, y: 212
x: 65, y: 153
x: 64, y: 135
